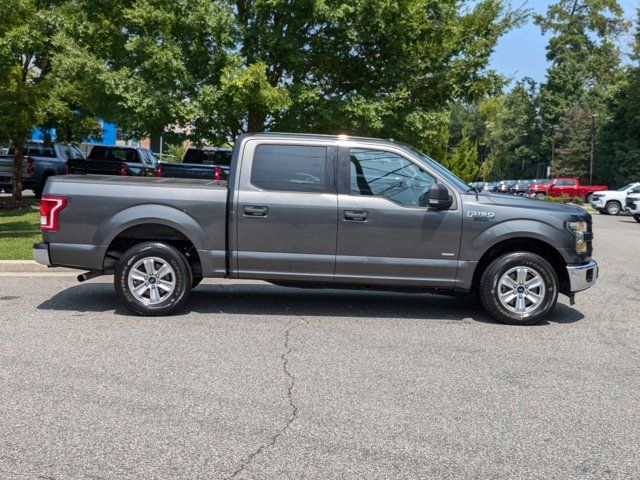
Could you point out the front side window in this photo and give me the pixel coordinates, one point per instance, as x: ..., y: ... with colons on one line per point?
x: 74, y: 153
x: 289, y: 168
x: 385, y: 174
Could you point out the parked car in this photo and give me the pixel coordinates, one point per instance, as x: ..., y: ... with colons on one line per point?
x: 632, y: 203
x: 505, y: 186
x: 40, y: 162
x: 612, y: 202
x: 521, y: 187
x: 115, y: 160
x: 207, y: 163
x: 489, y: 187
x: 569, y: 187
x: 319, y: 211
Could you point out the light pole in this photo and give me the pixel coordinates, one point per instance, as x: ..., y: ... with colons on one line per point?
x: 593, y: 129
x: 554, y: 129
x: 524, y: 140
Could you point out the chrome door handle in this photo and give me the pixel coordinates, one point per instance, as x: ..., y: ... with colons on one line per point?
x: 255, y: 211
x: 355, y: 216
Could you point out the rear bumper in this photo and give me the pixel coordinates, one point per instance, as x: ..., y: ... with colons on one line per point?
x: 583, y: 276
x: 41, y: 254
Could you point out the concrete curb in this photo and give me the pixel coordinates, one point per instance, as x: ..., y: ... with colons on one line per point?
x: 29, y: 266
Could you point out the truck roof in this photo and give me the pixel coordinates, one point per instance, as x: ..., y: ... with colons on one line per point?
x: 319, y: 136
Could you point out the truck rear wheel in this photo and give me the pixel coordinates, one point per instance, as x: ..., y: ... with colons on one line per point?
x: 153, y: 278
x: 540, y: 196
x: 519, y: 288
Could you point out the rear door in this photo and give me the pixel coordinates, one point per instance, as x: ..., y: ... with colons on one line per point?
x: 286, y: 210
x: 386, y: 233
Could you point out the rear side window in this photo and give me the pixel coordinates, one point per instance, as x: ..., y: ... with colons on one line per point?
x: 220, y: 157
x: 37, y: 150
x: 114, y: 154
x: 289, y: 168
x: 193, y: 155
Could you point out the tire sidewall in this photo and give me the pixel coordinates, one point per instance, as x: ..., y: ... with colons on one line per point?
x: 491, y: 277
x: 167, y: 253
x: 614, y: 204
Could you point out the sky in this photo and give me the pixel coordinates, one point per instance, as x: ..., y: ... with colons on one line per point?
x: 521, y: 53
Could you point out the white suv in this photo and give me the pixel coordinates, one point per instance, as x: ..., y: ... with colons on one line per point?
x: 632, y: 205
x: 612, y: 202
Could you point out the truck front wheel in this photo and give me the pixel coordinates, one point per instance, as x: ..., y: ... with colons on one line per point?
x: 636, y: 218
x: 519, y: 288
x: 153, y: 278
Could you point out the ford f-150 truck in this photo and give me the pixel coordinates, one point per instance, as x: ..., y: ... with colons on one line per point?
x: 208, y: 162
x: 569, y: 187
x: 318, y: 211
x: 116, y: 160
x: 40, y: 162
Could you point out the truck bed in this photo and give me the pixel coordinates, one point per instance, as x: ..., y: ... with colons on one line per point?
x: 100, y: 207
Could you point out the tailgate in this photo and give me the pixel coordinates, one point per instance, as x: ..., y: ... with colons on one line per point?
x: 6, y: 168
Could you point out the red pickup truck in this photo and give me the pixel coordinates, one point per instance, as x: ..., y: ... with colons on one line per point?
x: 564, y: 186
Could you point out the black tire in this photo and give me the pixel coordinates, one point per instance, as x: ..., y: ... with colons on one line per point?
x: 613, y: 208
x: 540, y: 196
x: 8, y: 190
x: 196, y: 281
x: 490, y: 288
x: 39, y: 188
x: 636, y: 218
x: 183, y: 278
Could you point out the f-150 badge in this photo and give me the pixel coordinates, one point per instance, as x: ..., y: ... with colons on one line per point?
x: 481, y: 215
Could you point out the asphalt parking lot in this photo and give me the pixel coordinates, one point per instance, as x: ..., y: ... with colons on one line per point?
x: 258, y: 381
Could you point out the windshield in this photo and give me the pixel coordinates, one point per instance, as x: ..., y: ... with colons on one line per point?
x: 440, y: 169
x: 626, y: 187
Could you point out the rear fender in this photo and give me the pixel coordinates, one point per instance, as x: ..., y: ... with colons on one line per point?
x: 151, y: 214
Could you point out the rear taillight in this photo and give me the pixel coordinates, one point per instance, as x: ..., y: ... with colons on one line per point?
x: 30, y: 167
x: 217, y: 173
x: 50, y: 208
x: 123, y: 169
x: 159, y: 171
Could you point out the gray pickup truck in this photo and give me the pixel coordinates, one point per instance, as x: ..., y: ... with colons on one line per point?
x: 318, y: 211
x: 40, y: 162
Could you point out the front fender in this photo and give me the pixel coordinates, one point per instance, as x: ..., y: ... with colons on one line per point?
x: 151, y: 214
x: 558, y: 238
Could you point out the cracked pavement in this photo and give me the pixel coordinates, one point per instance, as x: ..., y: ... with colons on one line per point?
x: 258, y: 381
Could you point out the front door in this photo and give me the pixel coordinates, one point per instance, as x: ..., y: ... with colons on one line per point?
x: 286, y: 211
x: 386, y: 233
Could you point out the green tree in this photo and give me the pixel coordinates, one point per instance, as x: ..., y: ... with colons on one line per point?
x: 618, y: 153
x: 573, y: 140
x: 585, y: 63
x: 371, y: 67
x: 463, y: 159
x: 34, y: 90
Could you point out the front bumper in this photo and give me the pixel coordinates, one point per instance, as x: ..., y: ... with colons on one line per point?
x: 41, y: 254
x: 583, y: 276
x: 597, y: 203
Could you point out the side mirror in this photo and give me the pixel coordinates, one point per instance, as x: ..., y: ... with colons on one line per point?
x: 439, y: 198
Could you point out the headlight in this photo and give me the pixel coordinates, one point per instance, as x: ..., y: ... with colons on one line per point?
x: 579, y: 229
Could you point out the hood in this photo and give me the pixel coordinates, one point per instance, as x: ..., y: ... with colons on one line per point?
x: 524, y: 202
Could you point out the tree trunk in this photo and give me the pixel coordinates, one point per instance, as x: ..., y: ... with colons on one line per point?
x: 255, y: 122
x: 18, y: 160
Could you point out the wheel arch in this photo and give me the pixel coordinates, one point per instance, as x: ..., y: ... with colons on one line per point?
x: 526, y: 244
x: 151, y: 223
